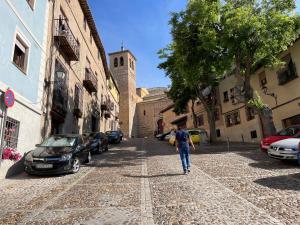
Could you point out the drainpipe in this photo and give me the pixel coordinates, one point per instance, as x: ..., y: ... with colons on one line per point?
x: 50, y: 71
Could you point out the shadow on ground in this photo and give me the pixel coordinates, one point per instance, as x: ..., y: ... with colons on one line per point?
x: 285, y: 182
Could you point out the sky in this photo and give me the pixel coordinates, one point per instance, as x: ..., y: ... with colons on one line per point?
x: 142, y: 25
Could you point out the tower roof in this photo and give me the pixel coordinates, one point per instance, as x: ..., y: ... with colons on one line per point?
x: 124, y: 51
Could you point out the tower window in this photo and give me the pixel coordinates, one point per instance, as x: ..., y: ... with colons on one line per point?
x: 116, y: 62
x: 121, y: 61
x: 132, y: 65
x: 144, y: 112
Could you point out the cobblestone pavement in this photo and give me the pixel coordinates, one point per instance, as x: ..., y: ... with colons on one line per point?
x: 141, y: 182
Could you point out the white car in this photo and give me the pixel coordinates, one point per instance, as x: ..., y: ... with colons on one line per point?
x: 285, y: 149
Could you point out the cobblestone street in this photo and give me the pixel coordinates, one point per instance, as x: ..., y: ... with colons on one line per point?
x: 141, y: 182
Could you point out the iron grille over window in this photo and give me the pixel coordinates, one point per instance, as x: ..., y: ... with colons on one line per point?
x: 11, y: 133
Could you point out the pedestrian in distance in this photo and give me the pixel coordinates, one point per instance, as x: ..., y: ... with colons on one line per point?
x: 182, y: 146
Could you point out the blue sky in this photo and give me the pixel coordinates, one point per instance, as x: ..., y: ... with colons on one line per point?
x: 143, y: 27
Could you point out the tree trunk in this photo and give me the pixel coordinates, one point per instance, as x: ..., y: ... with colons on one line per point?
x: 265, y: 114
x: 267, y: 122
x: 212, y: 126
x: 209, y: 106
x: 194, y: 114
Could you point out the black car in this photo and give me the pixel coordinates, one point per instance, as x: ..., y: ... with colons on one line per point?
x: 98, y: 142
x: 113, y: 136
x: 58, y: 154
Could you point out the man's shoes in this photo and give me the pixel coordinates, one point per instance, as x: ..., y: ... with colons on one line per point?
x: 189, y: 170
x: 185, y: 172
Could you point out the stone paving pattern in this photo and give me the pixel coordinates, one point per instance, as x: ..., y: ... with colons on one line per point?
x: 141, y: 182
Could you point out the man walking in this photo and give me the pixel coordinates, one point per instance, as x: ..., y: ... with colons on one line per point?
x: 182, y: 145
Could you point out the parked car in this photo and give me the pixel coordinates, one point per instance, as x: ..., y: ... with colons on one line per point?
x: 285, y: 149
x: 97, y: 142
x: 113, y: 136
x: 284, y: 134
x: 195, y: 136
x: 121, y: 134
x: 161, y: 137
x: 58, y: 154
x: 169, y: 135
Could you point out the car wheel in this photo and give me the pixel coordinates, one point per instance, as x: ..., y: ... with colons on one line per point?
x: 76, y: 165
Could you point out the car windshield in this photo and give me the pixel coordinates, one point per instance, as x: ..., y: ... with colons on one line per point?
x: 59, y: 142
x: 289, y: 131
x: 112, y: 132
x: 194, y: 132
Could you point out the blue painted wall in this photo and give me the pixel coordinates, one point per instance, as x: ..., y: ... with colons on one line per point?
x: 24, y: 84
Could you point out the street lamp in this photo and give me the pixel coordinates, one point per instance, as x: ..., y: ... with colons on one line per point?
x: 59, y: 74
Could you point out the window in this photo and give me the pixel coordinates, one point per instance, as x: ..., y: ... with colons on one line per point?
x: 232, y: 119
x: 84, y: 23
x: 121, y: 61
x: 218, y: 132
x: 20, y: 57
x: 11, y: 133
x: 287, y: 73
x: 31, y: 3
x: 200, y: 120
x: 232, y: 96
x: 144, y: 112
x: 253, y: 134
x: 116, y: 62
x: 132, y: 65
x: 250, y: 113
x: 262, y: 79
x: 225, y: 94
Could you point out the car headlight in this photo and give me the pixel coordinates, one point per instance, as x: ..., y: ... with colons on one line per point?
x: 29, y: 157
x: 66, y: 157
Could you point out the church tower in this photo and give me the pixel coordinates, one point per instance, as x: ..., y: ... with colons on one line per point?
x: 123, y: 67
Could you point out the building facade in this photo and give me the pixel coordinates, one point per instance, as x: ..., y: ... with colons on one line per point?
x: 149, y: 118
x: 77, y: 97
x: 123, y: 67
x: 22, y: 69
x: 278, y: 88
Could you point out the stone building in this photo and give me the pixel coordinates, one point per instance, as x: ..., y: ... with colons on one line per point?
x: 149, y: 120
x: 23, y: 46
x: 77, y: 93
x: 278, y: 88
x: 123, y: 67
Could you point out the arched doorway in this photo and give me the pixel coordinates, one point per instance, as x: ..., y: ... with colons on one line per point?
x: 160, y: 126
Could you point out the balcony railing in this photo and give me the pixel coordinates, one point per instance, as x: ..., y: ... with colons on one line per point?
x: 78, y: 102
x: 90, y: 82
x: 66, y: 39
x: 60, y: 99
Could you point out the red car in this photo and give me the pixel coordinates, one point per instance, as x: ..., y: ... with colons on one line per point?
x: 284, y: 134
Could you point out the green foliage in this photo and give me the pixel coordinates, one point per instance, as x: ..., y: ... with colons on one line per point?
x: 257, y: 102
x: 255, y: 32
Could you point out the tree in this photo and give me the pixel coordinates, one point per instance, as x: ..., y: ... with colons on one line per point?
x: 196, y: 55
x: 254, y: 32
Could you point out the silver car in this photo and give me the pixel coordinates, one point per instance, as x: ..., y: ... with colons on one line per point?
x: 285, y: 149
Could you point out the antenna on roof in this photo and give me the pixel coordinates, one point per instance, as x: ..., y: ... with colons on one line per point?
x: 122, y: 46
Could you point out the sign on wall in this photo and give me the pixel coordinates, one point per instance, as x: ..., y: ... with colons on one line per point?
x: 9, y: 98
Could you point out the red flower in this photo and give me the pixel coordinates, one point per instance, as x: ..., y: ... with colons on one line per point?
x: 11, y: 154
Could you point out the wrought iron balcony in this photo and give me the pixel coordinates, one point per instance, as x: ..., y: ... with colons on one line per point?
x: 66, y: 39
x: 90, y: 81
x: 78, y: 102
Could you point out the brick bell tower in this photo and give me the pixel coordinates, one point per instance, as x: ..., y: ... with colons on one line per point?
x: 123, y: 68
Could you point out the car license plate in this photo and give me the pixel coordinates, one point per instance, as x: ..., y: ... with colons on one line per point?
x: 44, y: 166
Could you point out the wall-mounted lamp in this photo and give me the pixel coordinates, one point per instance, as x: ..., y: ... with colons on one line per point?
x: 60, y: 74
x: 266, y: 92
